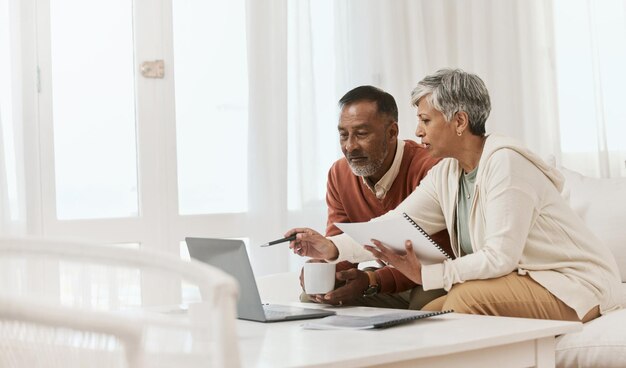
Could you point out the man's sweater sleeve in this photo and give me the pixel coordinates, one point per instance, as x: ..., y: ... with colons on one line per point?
x: 393, y: 281
x: 336, y: 211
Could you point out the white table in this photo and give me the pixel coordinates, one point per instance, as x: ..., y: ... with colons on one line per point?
x: 441, y: 341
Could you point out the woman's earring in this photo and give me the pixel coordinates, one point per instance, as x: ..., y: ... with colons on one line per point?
x: 458, y: 132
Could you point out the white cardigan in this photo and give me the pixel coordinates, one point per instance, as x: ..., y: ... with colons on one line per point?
x: 518, y: 221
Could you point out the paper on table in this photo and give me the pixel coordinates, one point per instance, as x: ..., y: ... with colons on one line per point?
x: 394, y: 232
x: 344, y: 322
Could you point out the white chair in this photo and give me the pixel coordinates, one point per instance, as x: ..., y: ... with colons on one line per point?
x: 41, y: 327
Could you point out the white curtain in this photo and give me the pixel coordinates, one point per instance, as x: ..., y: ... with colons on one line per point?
x: 312, y: 102
x: 507, y: 43
x: 12, y: 183
x: 4, y: 195
x: 554, y: 68
x: 591, y: 54
x: 267, y: 131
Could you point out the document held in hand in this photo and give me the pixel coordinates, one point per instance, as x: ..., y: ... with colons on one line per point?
x: 394, y: 232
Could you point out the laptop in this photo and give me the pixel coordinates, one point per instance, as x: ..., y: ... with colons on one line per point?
x: 230, y: 256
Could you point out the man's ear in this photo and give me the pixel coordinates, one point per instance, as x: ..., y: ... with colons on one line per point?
x: 392, y: 131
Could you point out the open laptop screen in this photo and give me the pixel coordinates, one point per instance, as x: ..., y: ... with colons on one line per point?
x: 230, y: 256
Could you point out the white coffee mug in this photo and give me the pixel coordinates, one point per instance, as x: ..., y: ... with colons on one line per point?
x: 319, y: 278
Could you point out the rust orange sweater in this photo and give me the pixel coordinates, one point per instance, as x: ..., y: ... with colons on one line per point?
x: 349, y: 199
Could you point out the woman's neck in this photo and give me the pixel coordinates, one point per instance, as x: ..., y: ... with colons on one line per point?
x: 471, y: 152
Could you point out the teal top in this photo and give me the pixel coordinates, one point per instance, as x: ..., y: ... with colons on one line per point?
x: 464, y: 202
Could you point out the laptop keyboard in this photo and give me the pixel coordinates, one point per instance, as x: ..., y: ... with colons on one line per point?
x: 272, y: 314
x: 277, y: 312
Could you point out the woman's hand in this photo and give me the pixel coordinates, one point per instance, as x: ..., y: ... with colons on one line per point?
x: 405, y: 261
x: 312, y: 244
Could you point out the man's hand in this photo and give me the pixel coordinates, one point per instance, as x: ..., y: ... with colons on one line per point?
x: 356, y: 282
x: 312, y: 244
x: 405, y: 261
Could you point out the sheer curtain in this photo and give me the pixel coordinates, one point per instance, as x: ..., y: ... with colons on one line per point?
x: 507, y: 43
x: 12, y: 185
x: 267, y: 131
x: 590, y: 59
x: 554, y: 68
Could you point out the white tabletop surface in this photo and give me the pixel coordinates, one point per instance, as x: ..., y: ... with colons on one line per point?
x: 288, y: 344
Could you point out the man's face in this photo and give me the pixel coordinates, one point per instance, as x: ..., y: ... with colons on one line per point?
x: 364, y: 136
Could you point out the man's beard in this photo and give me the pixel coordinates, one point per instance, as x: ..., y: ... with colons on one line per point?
x: 371, y: 167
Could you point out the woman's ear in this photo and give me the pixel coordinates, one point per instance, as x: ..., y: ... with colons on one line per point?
x: 462, y: 121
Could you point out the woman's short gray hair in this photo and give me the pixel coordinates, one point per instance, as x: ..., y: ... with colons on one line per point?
x: 452, y: 90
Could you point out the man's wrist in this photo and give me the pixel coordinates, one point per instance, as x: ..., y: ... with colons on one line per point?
x: 373, y: 287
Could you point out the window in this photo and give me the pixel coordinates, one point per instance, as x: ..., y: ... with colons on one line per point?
x: 125, y: 158
x: 121, y: 158
x: 93, y: 109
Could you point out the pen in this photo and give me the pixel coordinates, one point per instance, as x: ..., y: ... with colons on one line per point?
x: 287, y: 239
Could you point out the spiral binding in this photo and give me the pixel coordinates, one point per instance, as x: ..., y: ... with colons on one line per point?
x: 419, y: 228
x: 411, y: 318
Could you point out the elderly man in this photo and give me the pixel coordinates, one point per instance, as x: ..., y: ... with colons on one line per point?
x: 378, y: 172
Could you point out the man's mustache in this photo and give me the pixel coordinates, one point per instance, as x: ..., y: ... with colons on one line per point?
x: 355, y: 155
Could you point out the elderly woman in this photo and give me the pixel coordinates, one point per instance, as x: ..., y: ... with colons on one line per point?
x: 520, y: 249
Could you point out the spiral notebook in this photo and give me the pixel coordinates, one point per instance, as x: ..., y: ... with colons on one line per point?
x: 393, y: 232
x: 345, y: 322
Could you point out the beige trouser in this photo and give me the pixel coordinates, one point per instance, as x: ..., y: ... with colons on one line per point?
x: 414, y: 299
x: 512, y: 295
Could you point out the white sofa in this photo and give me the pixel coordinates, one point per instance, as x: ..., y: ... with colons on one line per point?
x: 602, y: 342
x: 602, y: 205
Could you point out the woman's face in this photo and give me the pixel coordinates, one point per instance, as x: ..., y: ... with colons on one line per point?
x: 438, y: 136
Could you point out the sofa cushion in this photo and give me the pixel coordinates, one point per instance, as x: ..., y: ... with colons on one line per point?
x: 602, y: 205
x: 601, y: 343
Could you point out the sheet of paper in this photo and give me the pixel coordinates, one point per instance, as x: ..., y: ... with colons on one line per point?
x: 394, y: 232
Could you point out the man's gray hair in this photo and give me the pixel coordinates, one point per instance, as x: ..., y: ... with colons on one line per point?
x: 452, y: 90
